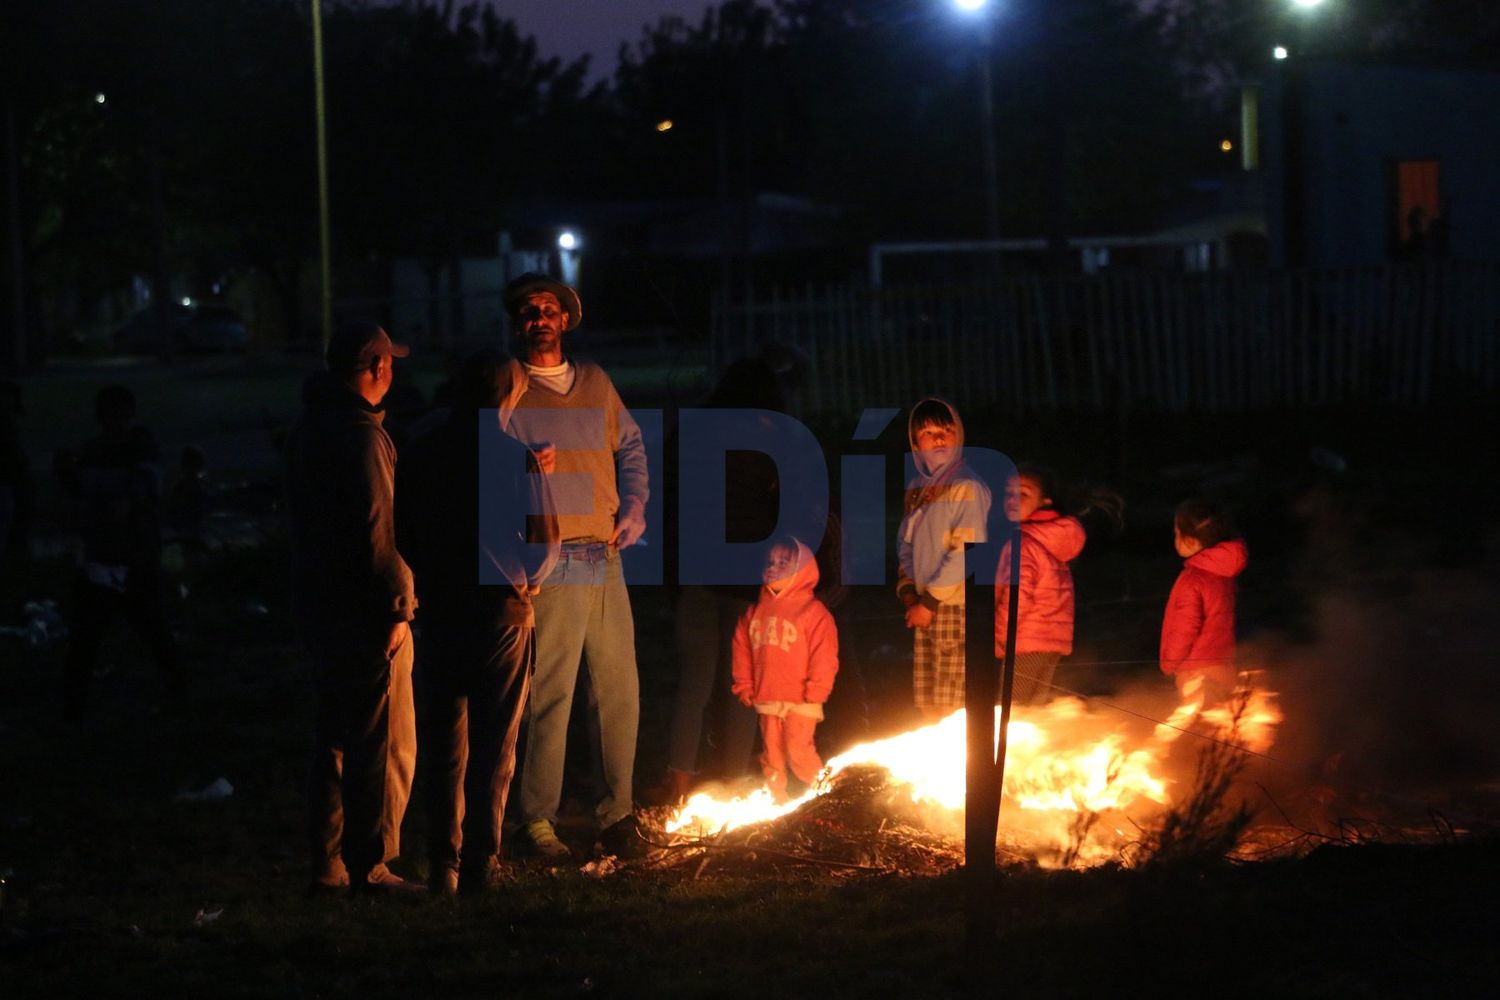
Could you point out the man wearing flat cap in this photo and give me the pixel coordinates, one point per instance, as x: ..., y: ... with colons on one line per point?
x: 352, y: 597
x: 568, y: 413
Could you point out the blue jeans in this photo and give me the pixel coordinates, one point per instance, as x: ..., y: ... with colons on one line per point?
x: 583, y: 611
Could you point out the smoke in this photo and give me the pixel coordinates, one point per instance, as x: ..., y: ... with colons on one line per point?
x: 1390, y: 689
x: 1391, y: 709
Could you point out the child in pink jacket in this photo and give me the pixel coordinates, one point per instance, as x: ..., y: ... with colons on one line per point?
x: 1050, y: 540
x: 786, y: 653
x: 1197, y: 633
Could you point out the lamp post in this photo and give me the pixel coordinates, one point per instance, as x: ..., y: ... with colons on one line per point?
x: 321, y: 111
x: 978, y: 9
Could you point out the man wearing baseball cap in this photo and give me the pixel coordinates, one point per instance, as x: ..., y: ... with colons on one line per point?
x: 352, y: 597
x: 568, y: 413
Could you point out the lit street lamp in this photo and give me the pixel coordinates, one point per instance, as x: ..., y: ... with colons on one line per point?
x: 568, y: 247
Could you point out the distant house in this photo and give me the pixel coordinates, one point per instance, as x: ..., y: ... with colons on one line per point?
x: 1367, y: 163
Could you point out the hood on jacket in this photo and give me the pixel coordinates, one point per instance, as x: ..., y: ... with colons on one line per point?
x: 1224, y: 559
x: 925, y: 469
x: 1062, y: 537
x: 804, y: 578
x: 325, y: 389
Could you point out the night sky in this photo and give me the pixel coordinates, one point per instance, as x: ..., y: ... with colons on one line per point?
x: 571, y: 28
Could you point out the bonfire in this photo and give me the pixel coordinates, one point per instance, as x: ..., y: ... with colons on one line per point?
x: 1081, y: 785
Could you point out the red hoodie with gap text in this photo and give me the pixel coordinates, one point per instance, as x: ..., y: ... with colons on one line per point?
x: 1044, y: 621
x: 1198, y: 630
x: 786, y: 646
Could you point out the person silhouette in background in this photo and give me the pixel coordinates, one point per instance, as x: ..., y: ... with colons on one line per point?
x: 117, y: 477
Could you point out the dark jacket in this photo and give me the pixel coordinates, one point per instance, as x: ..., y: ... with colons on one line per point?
x: 119, y: 482
x: 452, y: 550
x: 341, y: 470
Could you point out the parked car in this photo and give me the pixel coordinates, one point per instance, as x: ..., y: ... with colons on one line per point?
x: 195, y: 329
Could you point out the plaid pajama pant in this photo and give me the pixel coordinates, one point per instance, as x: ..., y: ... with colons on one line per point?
x: 1034, y: 673
x: 937, y: 669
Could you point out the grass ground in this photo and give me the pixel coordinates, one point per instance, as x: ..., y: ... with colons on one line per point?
x: 113, y: 887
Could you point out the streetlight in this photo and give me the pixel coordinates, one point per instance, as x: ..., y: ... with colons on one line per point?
x: 1279, y: 52
x: 976, y: 8
x: 568, y: 245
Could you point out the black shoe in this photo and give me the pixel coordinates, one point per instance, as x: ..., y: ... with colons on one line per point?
x: 329, y: 879
x: 623, y: 839
x: 442, y: 881
x: 482, y: 879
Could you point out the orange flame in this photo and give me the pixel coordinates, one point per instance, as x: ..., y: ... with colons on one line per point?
x: 1064, y: 762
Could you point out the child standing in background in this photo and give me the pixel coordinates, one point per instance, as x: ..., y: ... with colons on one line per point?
x: 1044, y: 609
x: 1197, y: 634
x: 786, y: 653
x: 946, y: 507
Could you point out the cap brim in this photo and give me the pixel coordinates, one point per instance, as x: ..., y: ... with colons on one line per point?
x: 399, y: 350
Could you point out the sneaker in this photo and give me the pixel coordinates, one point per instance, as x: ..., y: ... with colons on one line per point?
x: 383, y: 882
x: 623, y: 839
x: 442, y: 881
x: 544, y: 839
x: 329, y: 878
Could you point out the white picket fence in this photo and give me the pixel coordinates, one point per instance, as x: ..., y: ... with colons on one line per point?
x: 1405, y: 335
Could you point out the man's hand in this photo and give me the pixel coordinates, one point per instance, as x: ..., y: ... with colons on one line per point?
x: 918, y: 616
x: 630, y: 525
x: 545, y: 455
x: 746, y: 700
x: 399, y: 633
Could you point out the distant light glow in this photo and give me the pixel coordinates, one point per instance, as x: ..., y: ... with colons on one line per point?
x: 568, y: 240
x: 970, y: 5
x: 665, y: 125
x: 99, y: 98
x: 187, y: 301
x: 1306, y: 4
x: 1227, y: 146
x: 1279, y: 52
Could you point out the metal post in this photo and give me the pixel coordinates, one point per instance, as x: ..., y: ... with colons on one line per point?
x: 981, y: 793
x: 987, y: 136
x: 321, y: 111
x: 985, y: 772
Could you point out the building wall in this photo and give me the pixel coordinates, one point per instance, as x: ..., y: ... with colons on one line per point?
x: 1333, y: 132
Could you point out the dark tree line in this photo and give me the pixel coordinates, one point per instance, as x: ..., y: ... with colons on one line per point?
x: 446, y: 124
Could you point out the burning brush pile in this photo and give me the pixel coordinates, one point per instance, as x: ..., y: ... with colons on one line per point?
x: 1082, y: 787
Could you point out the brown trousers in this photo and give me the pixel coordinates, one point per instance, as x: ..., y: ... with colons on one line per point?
x: 364, y: 749
x: 473, y: 685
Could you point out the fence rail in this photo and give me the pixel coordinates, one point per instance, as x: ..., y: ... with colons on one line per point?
x: 1404, y: 335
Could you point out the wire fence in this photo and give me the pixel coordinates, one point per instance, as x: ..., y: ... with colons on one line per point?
x: 1406, y: 335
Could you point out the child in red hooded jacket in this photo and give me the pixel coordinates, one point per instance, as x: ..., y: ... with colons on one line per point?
x: 1197, y: 634
x: 786, y: 653
x: 1050, y: 540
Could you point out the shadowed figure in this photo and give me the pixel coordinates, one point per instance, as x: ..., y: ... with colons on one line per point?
x: 478, y: 645
x: 352, y: 597
x: 117, y: 475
